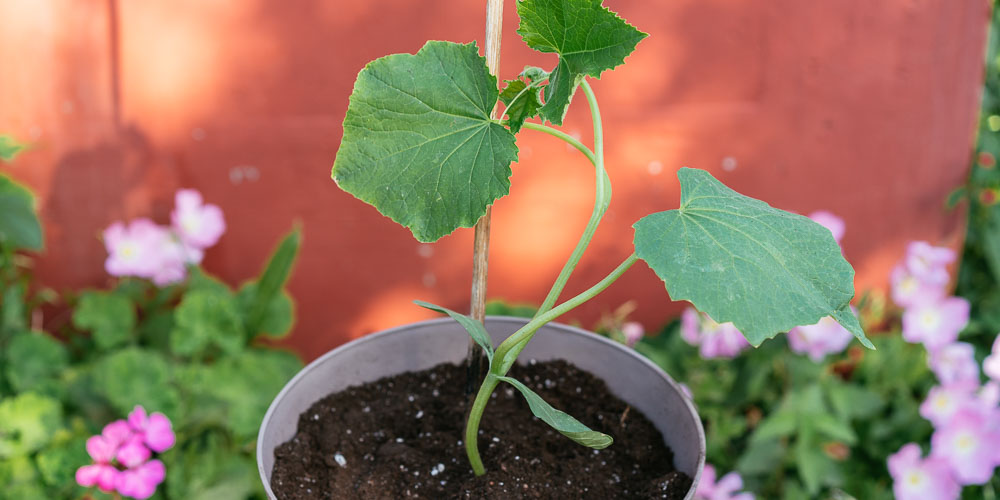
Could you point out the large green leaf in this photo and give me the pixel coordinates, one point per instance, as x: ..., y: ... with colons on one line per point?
x: 559, y: 420
x: 739, y: 260
x: 27, y: 423
x: 32, y: 358
x: 19, y: 226
x: 419, y: 143
x: 207, y: 318
x: 260, y: 301
x: 588, y: 37
x: 110, y: 316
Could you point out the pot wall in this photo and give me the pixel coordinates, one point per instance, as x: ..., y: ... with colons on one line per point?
x: 859, y: 107
x: 422, y: 345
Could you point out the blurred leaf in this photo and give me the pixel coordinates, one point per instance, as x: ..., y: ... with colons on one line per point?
x: 58, y: 464
x: 13, y: 310
x: 761, y: 457
x: 851, y: 401
x: 27, y: 422
x: 502, y: 308
x: 19, y: 480
x: 110, y: 316
x: 19, y: 226
x: 742, y: 246
x: 32, y: 358
x: 268, y: 286
x: 777, y: 425
x: 199, y: 280
x: 135, y: 376
x: 278, y: 318
x: 207, y: 467
x: 829, y: 426
x: 207, y: 318
x: 10, y: 148
x: 990, y: 232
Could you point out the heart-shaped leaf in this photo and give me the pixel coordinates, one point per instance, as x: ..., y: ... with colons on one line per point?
x: 419, y: 143
x: 19, y: 226
x: 560, y: 421
x: 739, y: 260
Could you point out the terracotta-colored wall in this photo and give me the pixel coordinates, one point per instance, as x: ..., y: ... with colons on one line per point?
x: 863, y: 108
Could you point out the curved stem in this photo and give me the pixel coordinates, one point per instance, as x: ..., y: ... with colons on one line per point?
x: 602, y: 198
x: 572, y: 141
x: 472, y: 423
x: 508, y: 350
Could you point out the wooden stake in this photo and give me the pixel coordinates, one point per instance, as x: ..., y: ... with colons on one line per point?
x: 481, y: 245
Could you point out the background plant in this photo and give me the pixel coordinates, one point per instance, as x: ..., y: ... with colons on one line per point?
x: 195, y: 350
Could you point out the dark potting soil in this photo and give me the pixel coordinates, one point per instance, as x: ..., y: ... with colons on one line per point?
x: 401, y: 437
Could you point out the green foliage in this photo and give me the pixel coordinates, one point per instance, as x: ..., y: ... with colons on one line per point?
x: 523, y: 98
x: 137, y: 376
x: 739, y: 260
x: 588, y: 37
x: 110, y: 316
x: 263, y: 299
x: 33, y: 358
x: 419, y: 143
x: 475, y: 329
x: 9, y: 148
x: 206, y: 319
x: 27, y: 423
x: 19, y: 226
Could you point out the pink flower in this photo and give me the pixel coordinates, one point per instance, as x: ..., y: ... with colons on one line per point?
x: 928, y: 263
x: 141, y: 482
x: 825, y: 337
x: 198, y: 225
x: 101, y: 473
x: 832, y: 222
x: 989, y: 394
x: 633, y: 332
x: 116, y: 433
x: 155, y: 430
x: 936, y: 324
x: 908, y: 290
x: 968, y: 442
x: 133, y: 452
x: 174, y: 259
x: 991, y: 365
x: 133, y: 250
x: 725, y: 489
x: 715, y: 340
x: 955, y: 364
x: 916, y: 479
x: 943, y: 402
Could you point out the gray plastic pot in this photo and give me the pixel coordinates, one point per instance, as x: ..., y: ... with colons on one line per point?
x: 419, y: 346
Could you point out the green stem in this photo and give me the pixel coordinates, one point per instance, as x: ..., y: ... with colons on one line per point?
x: 602, y: 198
x: 472, y: 424
x: 508, y: 350
x: 572, y: 141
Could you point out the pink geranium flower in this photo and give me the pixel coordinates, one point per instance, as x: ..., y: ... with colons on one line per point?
x: 928, y: 263
x: 725, y: 489
x: 133, y: 250
x: 199, y: 225
x: 633, y: 332
x: 715, y: 340
x: 955, y: 364
x: 991, y: 365
x: 908, y: 290
x: 141, y: 482
x: 914, y: 478
x: 968, y: 442
x: 943, y: 402
x: 101, y: 473
x: 155, y: 430
x: 830, y: 221
x: 936, y: 324
x: 825, y: 337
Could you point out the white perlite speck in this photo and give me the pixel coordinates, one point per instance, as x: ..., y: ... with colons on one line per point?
x: 420, y: 413
x: 437, y: 469
x: 341, y: 461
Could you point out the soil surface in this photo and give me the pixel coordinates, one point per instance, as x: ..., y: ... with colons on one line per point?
x: 401, y: 437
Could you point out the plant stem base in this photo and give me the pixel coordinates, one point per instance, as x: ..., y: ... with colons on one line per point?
x: 409, y: 443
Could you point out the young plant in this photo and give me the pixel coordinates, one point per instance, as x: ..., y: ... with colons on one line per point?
x: 419, y: 145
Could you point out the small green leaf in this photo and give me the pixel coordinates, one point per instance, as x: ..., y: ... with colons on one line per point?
x: 777, y: 425
x: 268, y: 287
x: 739, y: 260
x: 207, y: 318
x: 110, y: 316
x: 32, y: 358
x: 13, y: 310
x: 19, y: 226
x: 523, y: 101
x: 588, y: 37
x: 27, y: 423
x: 135, y: 376
x: 279, y: 313
x: 9, y: 148
x: 419, y: 143
x: 476, y: 329
x: 560, y: 421
x: 831, y: 427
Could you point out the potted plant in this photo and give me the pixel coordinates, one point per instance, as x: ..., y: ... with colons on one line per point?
x: 421, y: 143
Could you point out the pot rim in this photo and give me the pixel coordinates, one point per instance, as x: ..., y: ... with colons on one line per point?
x: 598, y: 339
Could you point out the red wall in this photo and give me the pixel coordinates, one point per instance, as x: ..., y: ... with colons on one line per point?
x: 858, y: 107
